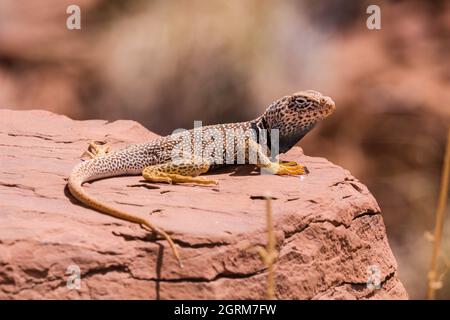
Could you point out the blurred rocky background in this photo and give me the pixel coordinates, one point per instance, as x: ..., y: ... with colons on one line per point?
x: 167, y: 63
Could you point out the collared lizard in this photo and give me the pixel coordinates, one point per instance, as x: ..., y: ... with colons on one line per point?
x: 293, y: 116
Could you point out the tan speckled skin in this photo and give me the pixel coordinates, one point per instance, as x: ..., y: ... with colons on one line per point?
x: 292, y: 115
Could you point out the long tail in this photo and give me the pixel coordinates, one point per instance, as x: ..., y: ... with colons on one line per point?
x: 89, y: 170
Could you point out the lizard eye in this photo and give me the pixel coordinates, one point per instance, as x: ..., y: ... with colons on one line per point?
x: 300, y: 102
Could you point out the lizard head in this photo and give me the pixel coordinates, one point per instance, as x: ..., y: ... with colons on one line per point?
x: 295, y: 115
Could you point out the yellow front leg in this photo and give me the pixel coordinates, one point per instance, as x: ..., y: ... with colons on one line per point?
x: 281, y: 168
x: 285, y: 169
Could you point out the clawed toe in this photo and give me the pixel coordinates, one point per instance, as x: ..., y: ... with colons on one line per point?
x: 289, y: 163
x: 289, y: 169
x: 203, y: 180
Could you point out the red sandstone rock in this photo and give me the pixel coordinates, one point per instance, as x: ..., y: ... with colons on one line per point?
x: 328, y: 226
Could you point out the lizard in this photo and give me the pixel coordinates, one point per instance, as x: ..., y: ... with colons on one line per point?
x: 292, y: 117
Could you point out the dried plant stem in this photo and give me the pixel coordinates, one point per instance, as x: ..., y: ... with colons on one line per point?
x: 270, y: 251
x: 269, y: 254
x: 440, y: 213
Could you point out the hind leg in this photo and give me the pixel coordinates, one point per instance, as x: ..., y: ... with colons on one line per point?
x: 179, y: 171
x: 96, y: 150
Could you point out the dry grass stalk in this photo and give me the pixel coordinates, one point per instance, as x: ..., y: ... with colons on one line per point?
x: 269, y: 254
x: 434, y: 281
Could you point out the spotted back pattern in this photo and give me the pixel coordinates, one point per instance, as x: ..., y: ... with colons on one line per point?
x: 293, y: 116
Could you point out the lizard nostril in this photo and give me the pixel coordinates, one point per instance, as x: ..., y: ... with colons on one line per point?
x: 328, y: 102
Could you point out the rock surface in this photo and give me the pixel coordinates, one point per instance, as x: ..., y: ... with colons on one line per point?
x: 329, y: 229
